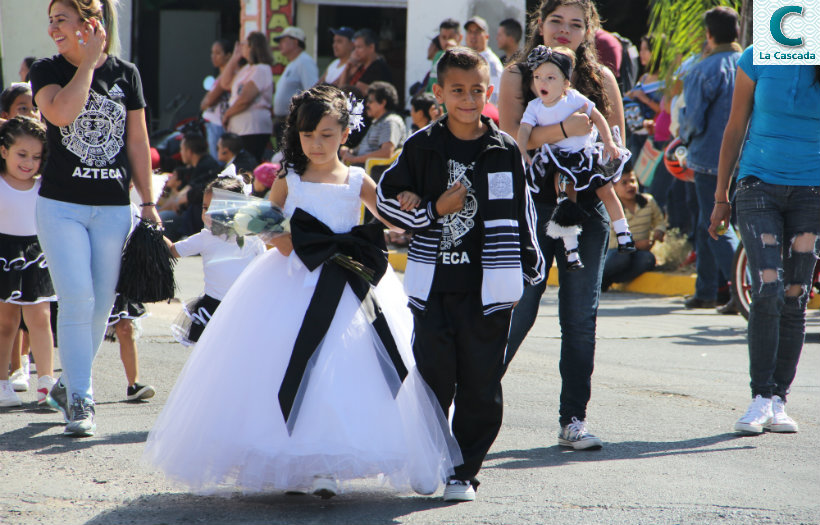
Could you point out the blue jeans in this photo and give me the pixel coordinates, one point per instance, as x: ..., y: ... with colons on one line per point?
x: 83, y: 247
x: 212, y: 133
x: 577, y: 307
x: 770, y: 217
x: 715, y: 257
x: 624, y: 267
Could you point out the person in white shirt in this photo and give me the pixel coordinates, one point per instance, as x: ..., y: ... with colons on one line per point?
x: 342, y: 49
x: 478, y: 34
x: 300, y: 74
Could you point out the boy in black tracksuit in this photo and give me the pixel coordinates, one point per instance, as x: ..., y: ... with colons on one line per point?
x: 460, y: 186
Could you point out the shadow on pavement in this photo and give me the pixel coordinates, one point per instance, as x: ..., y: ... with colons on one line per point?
x: 713, y: 336
x: 38, y: 438
x: 556, y: 456
x: 350, y: 507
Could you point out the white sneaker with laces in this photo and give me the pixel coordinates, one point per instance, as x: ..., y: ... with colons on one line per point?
x: 757, y: 417
x: 19, y: 378
x: 780, y: 422
x: 576, y: 435
x: 8, y: 397
x: 458, y: 490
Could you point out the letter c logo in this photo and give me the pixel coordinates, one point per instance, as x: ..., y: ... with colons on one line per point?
x: 776, y: 25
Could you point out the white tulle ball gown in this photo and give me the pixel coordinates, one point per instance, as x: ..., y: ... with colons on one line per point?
x: 213, y: 436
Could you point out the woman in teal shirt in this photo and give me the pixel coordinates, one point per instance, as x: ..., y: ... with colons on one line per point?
x: 778, y: 214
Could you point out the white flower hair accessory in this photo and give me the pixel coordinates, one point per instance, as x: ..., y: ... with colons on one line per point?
x: 356, y: 109
x: 230, y: 173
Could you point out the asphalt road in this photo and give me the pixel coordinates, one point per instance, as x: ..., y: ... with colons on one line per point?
x: 667, y: 388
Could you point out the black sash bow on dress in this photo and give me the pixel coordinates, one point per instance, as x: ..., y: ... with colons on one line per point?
x: 357, y: 258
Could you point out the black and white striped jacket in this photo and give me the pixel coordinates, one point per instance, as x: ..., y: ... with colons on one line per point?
x: 510, y: 252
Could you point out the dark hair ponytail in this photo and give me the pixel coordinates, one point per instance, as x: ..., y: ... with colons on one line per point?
x: 17, y: 127
x: 306, y: 110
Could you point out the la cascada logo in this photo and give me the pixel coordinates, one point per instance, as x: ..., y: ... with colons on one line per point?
x: 787, y: 32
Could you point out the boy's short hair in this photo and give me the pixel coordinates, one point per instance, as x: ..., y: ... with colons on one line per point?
x: 722, y: 24
x: 450, y: 23
x: 423, y: 102
x: 196, y: 143
x: 462, y: 58
x: 232, y: 142
x: 512, y: 28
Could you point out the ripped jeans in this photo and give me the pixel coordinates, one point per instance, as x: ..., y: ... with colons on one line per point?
x: 779, y: 226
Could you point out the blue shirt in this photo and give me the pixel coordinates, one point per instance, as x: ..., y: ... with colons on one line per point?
x: 783, y: 144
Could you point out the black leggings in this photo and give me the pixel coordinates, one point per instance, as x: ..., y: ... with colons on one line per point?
x: 256, y: 144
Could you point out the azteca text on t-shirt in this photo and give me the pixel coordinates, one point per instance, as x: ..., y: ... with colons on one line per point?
x: 88, y: 159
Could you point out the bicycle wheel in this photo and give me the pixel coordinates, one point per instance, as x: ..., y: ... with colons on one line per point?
x: 741, y: 281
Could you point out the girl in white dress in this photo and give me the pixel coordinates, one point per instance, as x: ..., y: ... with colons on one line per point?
x: 330, y: 392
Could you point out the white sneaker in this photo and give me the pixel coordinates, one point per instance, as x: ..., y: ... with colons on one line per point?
x: 757, y: 417
x: 44, y: 386
x: 458, y: 490
x: 324, y: 487
x: 780, y: 422
x: 19, y: 378
x: 575, y: 435
x: 8, y: 397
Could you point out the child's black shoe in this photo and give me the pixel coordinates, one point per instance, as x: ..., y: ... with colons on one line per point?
x: 628, y: 246
x: 574, y: 264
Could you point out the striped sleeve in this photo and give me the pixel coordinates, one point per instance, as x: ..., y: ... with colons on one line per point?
x: 396, y: 179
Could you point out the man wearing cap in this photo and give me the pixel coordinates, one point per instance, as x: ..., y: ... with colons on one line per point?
x: 342, y: 48
x: 366, y: 66
x: 300, y: 74
x: 478, y: 34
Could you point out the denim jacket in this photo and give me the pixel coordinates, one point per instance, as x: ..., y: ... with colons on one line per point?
x: 707, y: 90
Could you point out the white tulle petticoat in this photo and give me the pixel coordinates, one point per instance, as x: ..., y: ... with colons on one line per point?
x: 214, y: 435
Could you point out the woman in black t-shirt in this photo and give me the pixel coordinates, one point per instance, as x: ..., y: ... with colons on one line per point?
x: 98, y: 145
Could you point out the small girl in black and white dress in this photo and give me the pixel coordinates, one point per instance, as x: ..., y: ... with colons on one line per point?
x: 25, y: 284
x: 580, y: 162
x: 222, y: 262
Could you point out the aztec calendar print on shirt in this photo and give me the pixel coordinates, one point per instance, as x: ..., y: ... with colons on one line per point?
x: 456, y: 225
x: 96, y: 134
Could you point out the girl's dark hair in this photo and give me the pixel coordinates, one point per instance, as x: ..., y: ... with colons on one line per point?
x: 817, y: 74
x: 654, y: 61
x: 17, y: 127
x: 226, y: 44
x: 436, y: 42
x: 306, y: 110
x: 10, y: 94
x: 259, y: 49
x: 588, y: 78
x: 228, y: 184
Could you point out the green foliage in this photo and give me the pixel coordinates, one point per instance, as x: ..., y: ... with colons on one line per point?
x: 677, y: 26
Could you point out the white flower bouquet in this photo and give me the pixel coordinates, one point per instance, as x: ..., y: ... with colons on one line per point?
x: 235, y: 215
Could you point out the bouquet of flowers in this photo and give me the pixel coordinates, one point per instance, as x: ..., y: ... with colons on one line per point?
x: 235, y: 215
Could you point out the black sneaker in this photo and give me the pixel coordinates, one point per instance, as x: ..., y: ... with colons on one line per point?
x: 57, y: 398
x: 83, y: 414
x: 139, y: 391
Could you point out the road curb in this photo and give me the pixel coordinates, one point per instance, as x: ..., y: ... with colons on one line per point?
x: 653, y: 283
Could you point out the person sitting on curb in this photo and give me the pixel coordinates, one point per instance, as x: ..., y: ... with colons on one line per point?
x: 648, y: 226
